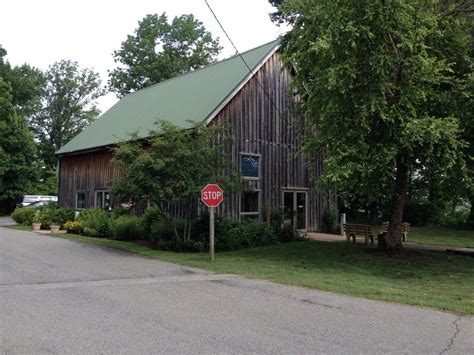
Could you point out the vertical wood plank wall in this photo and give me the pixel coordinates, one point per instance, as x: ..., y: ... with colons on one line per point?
x: 258, y: 127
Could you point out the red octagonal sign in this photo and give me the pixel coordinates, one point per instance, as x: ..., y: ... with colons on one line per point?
x: 212, y: 195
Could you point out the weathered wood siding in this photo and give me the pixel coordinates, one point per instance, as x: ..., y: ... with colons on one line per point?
x: 261, y: 124
x: 88, y: 173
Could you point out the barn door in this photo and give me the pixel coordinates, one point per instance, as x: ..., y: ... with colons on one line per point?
x: 295, y: 208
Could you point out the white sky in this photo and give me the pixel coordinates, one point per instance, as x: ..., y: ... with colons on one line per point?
x: 40, y: 32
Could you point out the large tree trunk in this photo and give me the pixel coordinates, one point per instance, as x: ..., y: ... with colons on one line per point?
x: 392, y: 242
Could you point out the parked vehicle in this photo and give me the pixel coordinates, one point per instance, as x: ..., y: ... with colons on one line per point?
x: 40, y: 203
x: 29, y: 199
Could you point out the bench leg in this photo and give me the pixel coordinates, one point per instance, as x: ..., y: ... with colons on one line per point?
x: 366, y: 240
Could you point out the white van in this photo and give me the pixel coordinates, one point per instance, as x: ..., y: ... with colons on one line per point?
x: 29, y: 199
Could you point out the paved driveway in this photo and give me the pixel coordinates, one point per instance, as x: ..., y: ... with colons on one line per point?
x: 61, y: 296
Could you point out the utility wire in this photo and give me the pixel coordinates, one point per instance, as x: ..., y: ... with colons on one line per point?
x: 245, y: 62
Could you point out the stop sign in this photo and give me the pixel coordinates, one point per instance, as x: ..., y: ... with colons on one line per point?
x: 212, y: 195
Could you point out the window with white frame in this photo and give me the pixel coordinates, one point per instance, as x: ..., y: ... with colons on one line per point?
x: 102, y: 199
x: 250, y: 165
x: 80, y: 200
x: 249, y: 204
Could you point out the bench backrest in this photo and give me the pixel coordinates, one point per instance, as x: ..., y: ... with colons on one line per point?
x: 405, y: 227
x: 357, y: 229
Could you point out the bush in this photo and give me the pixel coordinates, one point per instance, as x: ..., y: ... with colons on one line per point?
x: 150, y: 217
x: 53, y: 215
x: 330, y: 220
x: 421, y: 213
x: 454, y: 219
x: 162, y: 230
x: 127, y: 228
x: 75, y: 227
x: 248, y: 233
x: 96, y: 222
x: 24, y: 215
x: 288, y: 233
x: 180, y: 246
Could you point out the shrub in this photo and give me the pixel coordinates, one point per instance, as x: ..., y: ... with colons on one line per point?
x: 180, y: 246
x: 330, y: 220
x: 53, y: 215
x: 24, y: 215
x: 127, y: 228
x: 75, y: 227
x: 151, y: 216
x: 96, y: 222
x: 288, y: 233
x: 454, y: 219
x: 162, y: 230
x: 421, y: 213
x: 247, y: 234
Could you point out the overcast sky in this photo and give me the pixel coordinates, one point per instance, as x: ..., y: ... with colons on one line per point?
x: 40, y: 32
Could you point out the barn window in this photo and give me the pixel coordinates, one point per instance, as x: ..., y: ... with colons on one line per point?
x: 249, y: 165
x: 80, y: 200
x: 102, y: 199
x: 249, y: 204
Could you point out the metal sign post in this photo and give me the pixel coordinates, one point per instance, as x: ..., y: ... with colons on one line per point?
x: 212, y: 196
x: 211, y: 233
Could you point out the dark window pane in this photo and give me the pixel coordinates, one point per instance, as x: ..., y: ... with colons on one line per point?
x: 99, y: 199
x: 249, y: 201
x: 80, y: 200
x: 249, y: 165
x: 301, y: 210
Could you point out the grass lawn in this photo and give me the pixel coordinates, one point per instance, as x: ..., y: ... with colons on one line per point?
x: 428, y: 279
x: 442, y: 236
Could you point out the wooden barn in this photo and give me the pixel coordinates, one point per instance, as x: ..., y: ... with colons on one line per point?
x: 255, y: 103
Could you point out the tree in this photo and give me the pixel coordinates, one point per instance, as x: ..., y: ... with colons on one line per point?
x: 26, y: 83
x: 172, y: 166
x: 373, y: 77
x: 17, y: 151
x: 68, y: 106
x: 159, y: 50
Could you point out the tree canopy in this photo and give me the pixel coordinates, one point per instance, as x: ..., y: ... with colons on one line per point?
x: 68, y: 105
x: 376, y: 78
x: 17, y: 151
x: 159, y: 50
x: 171, y: 167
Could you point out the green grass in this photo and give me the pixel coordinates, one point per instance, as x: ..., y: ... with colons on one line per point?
x: 427, y: 279
x: 442, y: 236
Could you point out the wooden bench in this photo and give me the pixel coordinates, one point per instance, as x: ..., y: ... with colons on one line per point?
x: 405, y: 230
x: 358, y: 230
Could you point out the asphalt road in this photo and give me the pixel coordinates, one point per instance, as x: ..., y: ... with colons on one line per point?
x: 65, y: 297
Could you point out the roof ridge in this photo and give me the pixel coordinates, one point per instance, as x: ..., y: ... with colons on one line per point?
x: 203, y: 68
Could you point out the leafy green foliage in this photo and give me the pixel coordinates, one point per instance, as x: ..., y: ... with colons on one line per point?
x: 47, y: 185
x: 330, y: 222
x: 159, y: 50
x: 24, y: 216
x: 68, y: 106
x: 127, y: 228
x: 17, y: 151
x: 374, y: 78
x: 172, y: 166
x: 75, y: 227
x: 96, y: 222
x: 53, y: 215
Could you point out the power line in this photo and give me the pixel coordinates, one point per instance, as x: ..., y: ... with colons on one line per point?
x: 245, y: 62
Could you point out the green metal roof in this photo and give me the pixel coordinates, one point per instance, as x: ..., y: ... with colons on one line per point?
x: 193, y: 96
